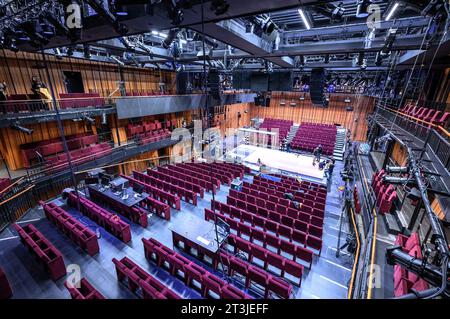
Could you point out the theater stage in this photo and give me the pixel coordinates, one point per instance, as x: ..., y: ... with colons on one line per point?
x: 278, y: 162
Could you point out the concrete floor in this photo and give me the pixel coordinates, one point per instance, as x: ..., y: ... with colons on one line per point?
x: 328, y: 278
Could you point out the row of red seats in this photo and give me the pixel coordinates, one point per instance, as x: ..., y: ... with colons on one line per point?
x: 138, y: 278
x: 263, y: 238
x: 155, y: 136
x: 5, y: 287
x: 83, y: 290
x: 279, y: 228
x: 224, y: 177
x: 203, y: 176
x: 294, y: 181
x: 44, y: 251
x: 426, y: 114
x: 384, y: 192
x: 310, y: 135
x: 281, y: 205
x: 181, y: 192
x: 290, y: 183
x: 155, y: 206
x: 268, y: 258
x: 254, y: 275
x: 147, y: 127
x: 78, y: 157
x: 189, y: 178
x: 101, y: 217
x: 79, y: 100
x: 156, y: 193
x: 76, y: 231
x: 282, y: 126
x: 233, y: 169
x: 192, y: 274
x: 277, y: 212
x: 29, y: 151
x: 177, y: 181
x: 279, y: 191
x: 313, y: 229
x: 405, y: 281
x: 136, y: 214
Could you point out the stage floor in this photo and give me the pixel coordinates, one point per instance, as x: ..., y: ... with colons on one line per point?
x: 275, y: 160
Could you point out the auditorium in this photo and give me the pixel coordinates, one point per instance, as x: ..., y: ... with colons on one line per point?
x: 224, y: 149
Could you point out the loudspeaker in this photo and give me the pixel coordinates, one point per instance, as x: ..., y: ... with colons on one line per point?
x: 214, y: 83
x: 182, y: 83
x: 316, y: 86
x: 280, y: 81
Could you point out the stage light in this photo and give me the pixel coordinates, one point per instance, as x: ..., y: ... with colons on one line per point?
x: 330, y: 10
x: 22, y: 129
x: 392, y: 11
x: 219, y: 6
x: 249, y: 27
x: 86, y: 51
x: 69, y: 51
x: 97, y: 5
x: 88, y: 119
x: 154, y: 32
x: 170, y: 38
x: 118, y: 9
x: 174, y: 11
x: 362, y: 9
x: 305, y: 21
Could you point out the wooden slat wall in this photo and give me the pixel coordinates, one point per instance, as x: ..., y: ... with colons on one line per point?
x: 399, y: 154
x: 230, y: 117
x: 140, y: 163
x: 437, y: 208
x: 16, y: 69
x: 335, y: 113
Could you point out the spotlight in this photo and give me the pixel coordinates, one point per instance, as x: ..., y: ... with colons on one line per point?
x: 22, y: 129
x: 249, y: 27
x: 170, y: 38
x: 305, y: 21
x: 86, y: 51
x: 362, y: 9
x: 174, y: 11
x: 97, y: 5
x: 32, y: 29
x: 88, y: 119
x: 118, y: 9
x: 69, y: 51
x: 266, y: 24
x: 362, y: 62
x: 330, y: 10
x: 219, y: 6
x: 58, y: 54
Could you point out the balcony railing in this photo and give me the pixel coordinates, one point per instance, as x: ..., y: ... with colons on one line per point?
x: 433, y: 135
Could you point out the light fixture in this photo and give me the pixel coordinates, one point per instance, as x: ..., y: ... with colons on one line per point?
x: 362, y: 9
x: 305, y: 21
x: 219, y: 6
x: 154, y: 32
x: 392, y: 11
x: 22, y: 129
x: 86, y: 51
x: 170, y: 38
x: 118, y: 9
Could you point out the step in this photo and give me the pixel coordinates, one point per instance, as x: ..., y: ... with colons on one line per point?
x: 392, y: 224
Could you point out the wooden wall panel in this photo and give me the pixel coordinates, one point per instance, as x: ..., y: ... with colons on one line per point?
x: 230, y: 118
x: 335, y: 113
x: 399, y: 154
x: 140, y: 163
x: 16, y: 69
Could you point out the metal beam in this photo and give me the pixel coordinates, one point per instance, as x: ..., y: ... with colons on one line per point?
x: 232, y: 33
x: 355, y: 28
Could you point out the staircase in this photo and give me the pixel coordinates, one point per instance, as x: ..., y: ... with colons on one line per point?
x: 292, y: 132
x: 339, y: 147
